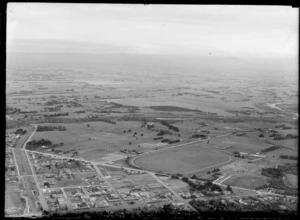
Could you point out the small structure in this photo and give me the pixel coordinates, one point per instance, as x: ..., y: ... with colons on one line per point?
x: 258, y: 155
x: 243, y: 153
x: 150, y: 125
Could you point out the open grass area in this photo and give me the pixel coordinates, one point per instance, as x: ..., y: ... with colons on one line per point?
x: 249, y: 143
x: 14, y: 204
x: 246, y: 181
x: 95, y: 140
x: 291, y: 180
x: 22, y: 162
x: 177, y: 185
x: 182, y: 159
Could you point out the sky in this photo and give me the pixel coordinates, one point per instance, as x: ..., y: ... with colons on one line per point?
x: 152, y: 29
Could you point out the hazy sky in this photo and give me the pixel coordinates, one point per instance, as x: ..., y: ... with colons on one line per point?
x: 152, y: 29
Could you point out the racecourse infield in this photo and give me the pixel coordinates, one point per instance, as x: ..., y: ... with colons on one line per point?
x: 185, y: 159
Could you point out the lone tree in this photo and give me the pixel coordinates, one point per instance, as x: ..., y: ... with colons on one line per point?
x: 185, y: 179
x: 88, y: 125
x: 261, y: 135
x: 194, y: 177
x: 228, y: 188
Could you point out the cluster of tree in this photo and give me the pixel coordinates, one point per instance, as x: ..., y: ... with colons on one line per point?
x: 173, y: 141
x: 52, y: 102
x: 52, y: 109
x: 232, y: 120
x: 213, y: 171
x: 289, y: 168
x: 105, y: 120
x: 116, y: 105
x: 199, y: 186
x: 74, y: 104
x: 276, y: 183
x: 262, y: 187
x: 20, y: 131
x: 199, y: 136
x: 272, y: 172
x: 130, y: 151
x: 171, y: 127
x: 288, y: 136
x: 135, y: 133
x: 11, y: 110
x: 163, y: 132
x: 50, y: 128
x: 291, y: 157
x: 164, y: 140
x: 280, y: 187
x: 79, y: 112
x: 57, y: 115
x: 270, y: 149
x: 230, y: 209
x: 157, y: 138
x: 76, y: 120
x: 166, y: 212
x: 33, y: 145
x: 28, y: 112
x: 238, y: 154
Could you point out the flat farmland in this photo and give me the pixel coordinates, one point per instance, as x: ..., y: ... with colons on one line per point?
x: 97, y: 139
x: 250, y: 143
x: 246, y: 181
x: 22, y: 162
x: 182, y: 159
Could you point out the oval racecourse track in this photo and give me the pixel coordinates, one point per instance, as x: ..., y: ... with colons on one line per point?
x: 184, y: 160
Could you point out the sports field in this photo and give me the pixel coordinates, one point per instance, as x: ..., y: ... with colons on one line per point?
x: 246, y: 181
x: 182, y: 160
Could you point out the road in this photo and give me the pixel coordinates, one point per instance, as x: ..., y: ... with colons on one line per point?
x: 15, y: 162
x: 9, y: 118
x: 43, y: 202
x: 29, y: 138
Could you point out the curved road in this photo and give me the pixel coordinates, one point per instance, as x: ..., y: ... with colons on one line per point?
x: 29, y: 138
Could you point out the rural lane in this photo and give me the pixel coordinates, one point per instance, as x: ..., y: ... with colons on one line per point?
x: 29, y: 138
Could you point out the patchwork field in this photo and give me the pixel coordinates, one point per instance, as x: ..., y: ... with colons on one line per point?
x: 95, y: 140
x: 249, y: 143
x: 182, y: 160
